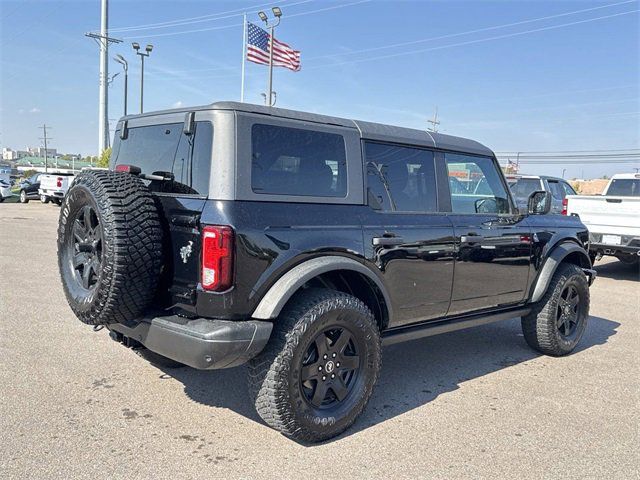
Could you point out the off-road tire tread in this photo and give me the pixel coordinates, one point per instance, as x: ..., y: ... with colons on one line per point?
x: 539, y: 326
x: 268, y: 371
x: 132, y: 246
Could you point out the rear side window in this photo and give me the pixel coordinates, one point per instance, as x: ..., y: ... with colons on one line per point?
x: 400, y: 179
x: 294, y: 161
x: 556, y: 189
x: 166, y: 151
x: 624, y: 187
x: 523, y: 187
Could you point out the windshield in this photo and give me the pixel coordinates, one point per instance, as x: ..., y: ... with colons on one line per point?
x: 523, y: 187
x: 624, y: 187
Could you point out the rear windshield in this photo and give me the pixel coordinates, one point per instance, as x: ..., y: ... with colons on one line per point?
x: 624, y: 187
x: 523, y: 187
x: 166, y: 151
x: 294, y: 161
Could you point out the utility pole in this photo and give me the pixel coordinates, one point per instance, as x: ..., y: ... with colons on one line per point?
x: 103, y: 40
x: 434, y: 122
x: 44, y: 138
x: 277, y: 12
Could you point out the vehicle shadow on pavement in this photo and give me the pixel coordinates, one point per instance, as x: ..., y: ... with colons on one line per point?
x: 413, y: 374
x: 617, y: 270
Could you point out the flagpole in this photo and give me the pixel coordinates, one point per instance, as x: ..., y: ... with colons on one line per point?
x: 270, y: 86
x: 244, y: 54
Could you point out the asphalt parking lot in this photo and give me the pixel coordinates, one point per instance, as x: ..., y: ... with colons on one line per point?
x: 470, y: 404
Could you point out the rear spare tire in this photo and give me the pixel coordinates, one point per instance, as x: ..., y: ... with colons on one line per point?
x: 109, y: 247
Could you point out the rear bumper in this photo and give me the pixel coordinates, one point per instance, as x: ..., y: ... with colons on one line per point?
x: 52, y: 193
x: 201, y: 343
x: 607, y: 249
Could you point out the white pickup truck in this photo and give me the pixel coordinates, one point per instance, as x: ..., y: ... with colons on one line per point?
x: 613, y: 218
x: 53, y: 187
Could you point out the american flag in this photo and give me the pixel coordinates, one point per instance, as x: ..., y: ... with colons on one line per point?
x: 258, y: 49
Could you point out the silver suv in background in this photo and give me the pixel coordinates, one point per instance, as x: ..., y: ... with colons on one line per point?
x: 524, y: 185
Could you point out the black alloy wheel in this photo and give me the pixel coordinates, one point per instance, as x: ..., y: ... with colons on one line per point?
x: 558, y: 321
x: 330, y: 368
x: 567, y: 311
x: 85, y: 247
x: 316, y: 374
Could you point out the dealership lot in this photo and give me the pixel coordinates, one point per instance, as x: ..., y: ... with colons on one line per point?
x: 476, y: 403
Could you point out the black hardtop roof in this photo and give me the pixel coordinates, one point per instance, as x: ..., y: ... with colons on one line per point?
x: 368, y: 130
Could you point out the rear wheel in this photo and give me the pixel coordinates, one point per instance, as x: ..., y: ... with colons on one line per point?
x: 556, y: 324
x: 44, y: 199
x: 318, y: 371
x: 629, y: 259
x: 23, y: 197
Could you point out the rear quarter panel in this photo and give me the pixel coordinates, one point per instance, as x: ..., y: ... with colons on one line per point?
x: 271, y: 238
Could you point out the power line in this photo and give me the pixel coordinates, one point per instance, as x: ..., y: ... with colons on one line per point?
x: 235, y: 25
x: 568, y: 151
x: 471, y: 42
x: 205, y: 18
x: 468, y: 32
x: 441, y: 47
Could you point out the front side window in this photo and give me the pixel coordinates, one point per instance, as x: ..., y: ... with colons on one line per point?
x: 164, y: 150
x: 294, y: 161
x: 475, y: 185
x: 400, y: 179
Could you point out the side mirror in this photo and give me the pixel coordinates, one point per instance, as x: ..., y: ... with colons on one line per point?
x: 539, y: 203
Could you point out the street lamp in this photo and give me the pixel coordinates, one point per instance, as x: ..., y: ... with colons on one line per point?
x: 148, y: 48
x: 125, y: 66
x: 277, y: 12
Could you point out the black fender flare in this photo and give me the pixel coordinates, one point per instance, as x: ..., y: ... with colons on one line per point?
x: 280, y: 292
x: 555, y: 258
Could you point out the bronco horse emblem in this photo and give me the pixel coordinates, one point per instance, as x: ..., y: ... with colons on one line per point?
x: 185, y: 252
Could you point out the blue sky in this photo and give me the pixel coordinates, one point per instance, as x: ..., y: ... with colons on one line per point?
x: 570, y: 82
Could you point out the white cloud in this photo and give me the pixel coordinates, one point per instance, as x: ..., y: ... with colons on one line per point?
x: 34, y: 110
x: 177, y: 104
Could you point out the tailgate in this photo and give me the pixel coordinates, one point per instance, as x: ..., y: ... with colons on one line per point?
x: 620, y: 215
x: 181, y: 274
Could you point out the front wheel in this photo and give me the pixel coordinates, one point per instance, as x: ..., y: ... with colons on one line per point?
x: 556, y: 324
x: 23, y: 197
x: 317, y: 373
x: 44, y: 199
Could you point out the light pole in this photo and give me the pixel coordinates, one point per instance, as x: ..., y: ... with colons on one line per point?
x: 277, y: 12
x: 148, y: 48
x: 125, y: 66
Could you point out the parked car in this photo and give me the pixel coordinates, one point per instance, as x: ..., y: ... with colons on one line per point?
x: 523, y: 185
x: 300, y: 243
x: 54, y: 187
x: 29, y: 188
x: 5, y: 190
x: 613, y: 218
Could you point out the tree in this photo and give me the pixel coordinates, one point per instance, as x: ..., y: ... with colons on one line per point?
x: 103, y: 161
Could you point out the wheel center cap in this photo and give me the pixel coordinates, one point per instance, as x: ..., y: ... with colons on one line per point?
x: 329, y: 367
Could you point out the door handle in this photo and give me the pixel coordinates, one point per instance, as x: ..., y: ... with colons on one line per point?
x: 471, y: 238
x: 387, y: 241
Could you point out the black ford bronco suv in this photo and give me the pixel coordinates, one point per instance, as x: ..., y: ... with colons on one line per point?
x: 302, y: 243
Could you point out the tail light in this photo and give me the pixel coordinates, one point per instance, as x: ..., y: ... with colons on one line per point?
x: 565, y: 203
x: 59, y: 182
x: 217, y: 258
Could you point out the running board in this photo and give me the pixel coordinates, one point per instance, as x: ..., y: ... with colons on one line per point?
x: 428, y: 329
